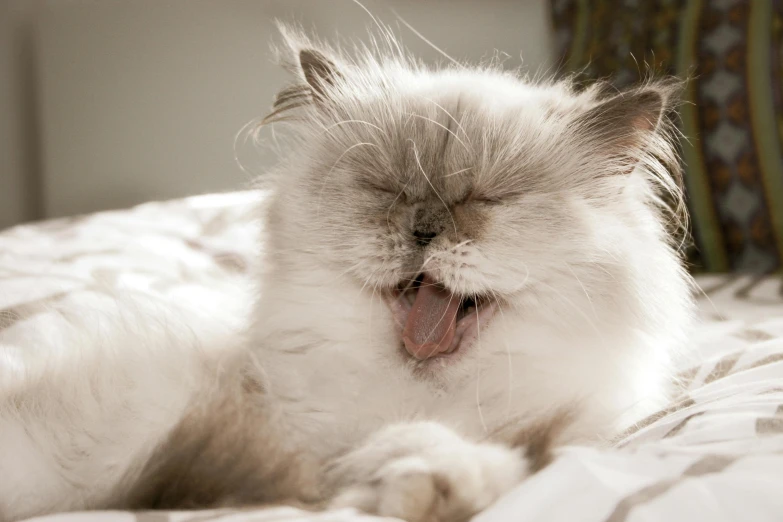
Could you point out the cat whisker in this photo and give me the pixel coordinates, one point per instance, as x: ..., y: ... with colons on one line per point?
x: 457, y: 172
x: 461, y: 244
x: 499, y: 309
x: 427, y: 261
x: 367, y: 282
x: 478, y: 374
x: 408, y: 286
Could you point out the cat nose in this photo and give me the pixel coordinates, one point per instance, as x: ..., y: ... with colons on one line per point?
x: 423, y: 238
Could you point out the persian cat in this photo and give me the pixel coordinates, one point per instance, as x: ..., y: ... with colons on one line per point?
x: 464, y: 269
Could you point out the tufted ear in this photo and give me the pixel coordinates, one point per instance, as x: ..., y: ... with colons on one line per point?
x: 315, y: 68
x: 319, y: 72
x: 625, y: 119
x: 625, y: 124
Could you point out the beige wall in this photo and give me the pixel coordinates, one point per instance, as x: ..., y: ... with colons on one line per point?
x: 19, y: 154
x: 142, y: 99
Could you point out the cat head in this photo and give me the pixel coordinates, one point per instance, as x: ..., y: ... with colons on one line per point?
x: 471, y: 185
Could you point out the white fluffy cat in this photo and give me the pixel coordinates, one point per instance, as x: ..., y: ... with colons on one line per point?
x: 464, y: 267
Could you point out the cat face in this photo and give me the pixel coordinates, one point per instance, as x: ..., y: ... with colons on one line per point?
x: 454, y: 193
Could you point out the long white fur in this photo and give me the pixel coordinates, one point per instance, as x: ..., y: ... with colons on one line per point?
x: 85, y: 400
x: 588, y: 322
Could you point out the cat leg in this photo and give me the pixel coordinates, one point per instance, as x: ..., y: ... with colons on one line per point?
x: 86, y: 396
x: 425, y: 472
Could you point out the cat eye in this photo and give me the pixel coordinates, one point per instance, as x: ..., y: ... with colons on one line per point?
x: 487, y: 200
x: 483, y: 198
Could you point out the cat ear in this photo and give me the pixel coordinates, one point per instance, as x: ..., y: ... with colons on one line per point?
x: 319, y: 71
x: 316, y: 70
x: 625, y: 125
x: 314, y: 63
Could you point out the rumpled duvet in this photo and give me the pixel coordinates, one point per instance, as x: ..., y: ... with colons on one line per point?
x: 714, y: 454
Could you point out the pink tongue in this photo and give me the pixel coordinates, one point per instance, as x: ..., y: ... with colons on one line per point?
x: 431, y: 322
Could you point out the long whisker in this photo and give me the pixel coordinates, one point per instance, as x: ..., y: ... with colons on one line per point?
x: 367, y: 282
x: 478, y: 374
x: 427, y: 261
x: 521, y: 285
x: 458, y: 172
x: 410, y: 284
x: 508, y: 354
x: 461, y: 244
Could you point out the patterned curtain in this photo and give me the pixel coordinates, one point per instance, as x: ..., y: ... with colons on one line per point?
x: 732, y: 51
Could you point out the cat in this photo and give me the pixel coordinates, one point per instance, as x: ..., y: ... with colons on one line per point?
x: 463, y: 269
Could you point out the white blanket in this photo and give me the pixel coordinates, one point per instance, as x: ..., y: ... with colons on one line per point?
x: 716, y: 454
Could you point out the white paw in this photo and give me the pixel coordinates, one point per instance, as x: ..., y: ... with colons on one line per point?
x: 447, y: 483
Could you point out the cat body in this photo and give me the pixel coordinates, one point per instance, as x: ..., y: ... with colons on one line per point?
x: 458, y: 264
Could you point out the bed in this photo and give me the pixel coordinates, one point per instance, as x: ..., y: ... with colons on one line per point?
x: 716, y: 453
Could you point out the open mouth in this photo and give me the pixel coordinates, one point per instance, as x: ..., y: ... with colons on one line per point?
x: 435, y: 322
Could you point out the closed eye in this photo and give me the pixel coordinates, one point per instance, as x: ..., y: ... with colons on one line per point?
x: 485, y: 199
x: 478, y: 197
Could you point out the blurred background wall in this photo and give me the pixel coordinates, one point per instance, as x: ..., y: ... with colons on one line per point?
x: 108, y: 103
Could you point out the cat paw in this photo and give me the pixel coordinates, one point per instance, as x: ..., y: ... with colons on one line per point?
x: 447, y: 483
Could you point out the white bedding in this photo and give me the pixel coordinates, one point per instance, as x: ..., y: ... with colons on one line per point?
x: 715, y: 454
